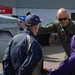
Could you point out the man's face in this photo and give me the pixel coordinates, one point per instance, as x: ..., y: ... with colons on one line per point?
x: 63, y: 20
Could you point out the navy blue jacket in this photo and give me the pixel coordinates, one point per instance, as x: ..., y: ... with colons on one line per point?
x: 24, y: 63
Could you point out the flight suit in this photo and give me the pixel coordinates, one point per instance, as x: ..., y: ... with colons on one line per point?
x: 65, y: 34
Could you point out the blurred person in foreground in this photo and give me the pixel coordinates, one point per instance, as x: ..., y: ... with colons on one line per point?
x: 22, y: 57
x: 66, y: 67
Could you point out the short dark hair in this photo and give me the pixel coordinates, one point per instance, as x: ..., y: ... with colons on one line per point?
x: 28, y: 13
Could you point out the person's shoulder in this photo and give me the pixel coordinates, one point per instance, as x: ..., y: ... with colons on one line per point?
x: 73, y: 21
x: 73, y: 37
x: 19, y: 35
x: 16, y: 36
x: 56, y: 22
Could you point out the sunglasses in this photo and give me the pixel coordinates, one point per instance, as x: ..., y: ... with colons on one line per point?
x: 60, y: 19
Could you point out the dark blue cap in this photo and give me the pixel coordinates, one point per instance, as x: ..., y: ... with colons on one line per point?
x: 32, y: 20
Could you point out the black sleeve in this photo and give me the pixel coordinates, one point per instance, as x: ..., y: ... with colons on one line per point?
x: 7, y: 67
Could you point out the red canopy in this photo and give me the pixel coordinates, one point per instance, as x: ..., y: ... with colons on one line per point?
x: 5, y: 10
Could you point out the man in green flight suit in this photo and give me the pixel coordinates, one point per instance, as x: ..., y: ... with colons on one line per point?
x: 64, y: 26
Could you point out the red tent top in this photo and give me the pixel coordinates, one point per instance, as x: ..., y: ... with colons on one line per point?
x: 5, y: 10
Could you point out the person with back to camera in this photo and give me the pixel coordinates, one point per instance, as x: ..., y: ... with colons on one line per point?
x: 66, y: 67
x: 22, y: 57
x: 64, y: 26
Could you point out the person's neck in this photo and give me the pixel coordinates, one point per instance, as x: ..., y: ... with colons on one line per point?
x: 33, y: 30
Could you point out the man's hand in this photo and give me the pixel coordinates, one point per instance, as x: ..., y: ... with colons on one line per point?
x: 21, y: 23
x: 46, y: 68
